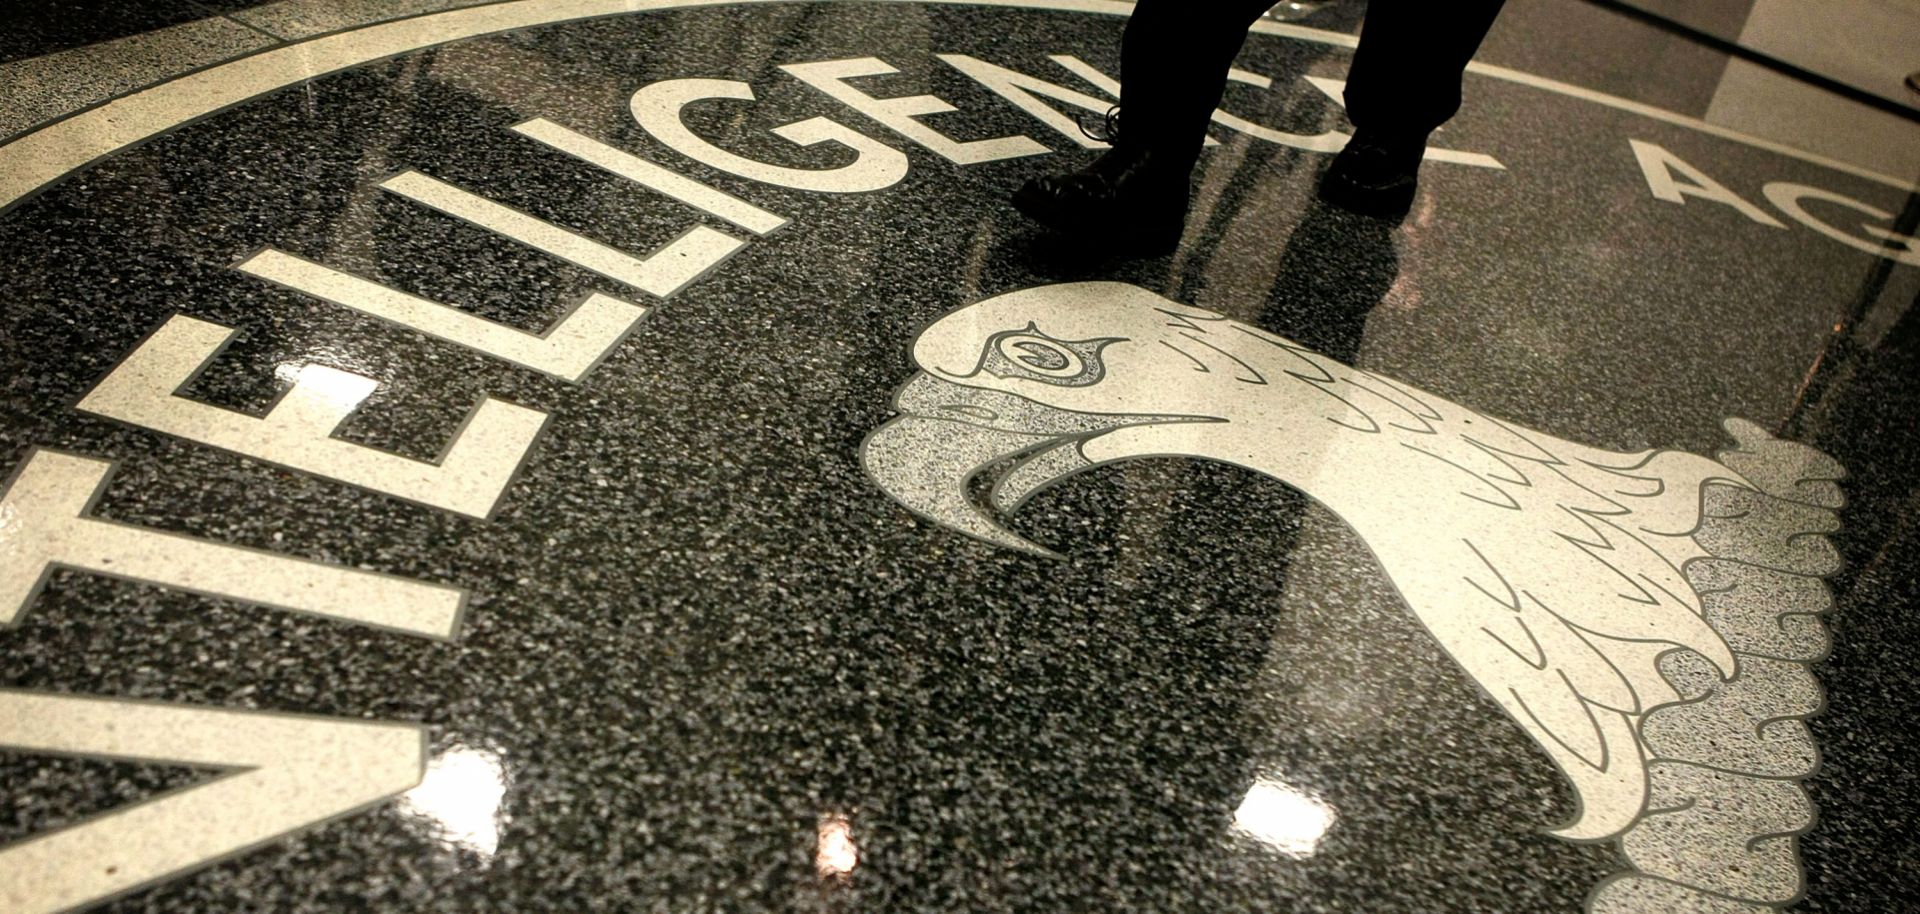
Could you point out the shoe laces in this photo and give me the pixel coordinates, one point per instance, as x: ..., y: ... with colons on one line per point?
x: 1104, y: 129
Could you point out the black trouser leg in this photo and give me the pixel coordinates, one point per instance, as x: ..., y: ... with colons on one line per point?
x: 1405, y: 79
x: 1174, y: 59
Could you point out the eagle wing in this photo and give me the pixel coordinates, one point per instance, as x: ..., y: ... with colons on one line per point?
x: 1553, y: 575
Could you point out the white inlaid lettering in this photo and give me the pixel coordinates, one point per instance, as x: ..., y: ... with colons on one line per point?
x: 1326, y: 141
x: 1790, y: 198
x: 696, y: 251
x: 567, y: 350
x: 43, y: 526
x: 1330, y: 140
x: 283, y: 773
x: 650, y: 175
x: 1024, y: 92
x: 1105, y: 83
x: 1336, y: 89
x: 898, y: 114
x: 297, y: 432
x: 1660, y: 166
x: 876, y: 165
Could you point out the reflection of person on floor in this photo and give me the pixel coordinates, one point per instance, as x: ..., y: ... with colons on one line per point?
x: 1404, y: 82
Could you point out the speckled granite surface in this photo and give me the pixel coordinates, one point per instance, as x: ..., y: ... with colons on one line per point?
x: 39, y: 27
x: 705, y: 656
x: 46, y: 87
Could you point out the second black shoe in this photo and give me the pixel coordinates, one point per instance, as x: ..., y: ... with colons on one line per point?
x: 1375, y: 175
x: 1132, y: 200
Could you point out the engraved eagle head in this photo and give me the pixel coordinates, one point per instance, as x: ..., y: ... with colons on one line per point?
x: 1038, y: 377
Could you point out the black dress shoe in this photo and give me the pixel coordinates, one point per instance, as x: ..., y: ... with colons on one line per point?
x: 1375, y: 175
x: 1132, y: 200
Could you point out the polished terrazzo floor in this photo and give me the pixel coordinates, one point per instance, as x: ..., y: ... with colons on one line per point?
x: 589, y: 455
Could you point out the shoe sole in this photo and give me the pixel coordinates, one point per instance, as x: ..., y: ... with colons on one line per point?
x: 1381, y: 202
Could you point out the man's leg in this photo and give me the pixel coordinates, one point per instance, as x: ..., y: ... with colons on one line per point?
x: 1174, y: 59
x: 1405, y: 77
x: 1404, y: 82
x: 1173, y: 65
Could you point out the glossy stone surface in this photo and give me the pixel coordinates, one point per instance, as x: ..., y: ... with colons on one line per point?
x: 44, y: 26
x: 46, y: 87
x: 700, y: 641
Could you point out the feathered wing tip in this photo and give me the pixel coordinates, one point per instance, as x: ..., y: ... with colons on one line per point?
x: 1725, y: 766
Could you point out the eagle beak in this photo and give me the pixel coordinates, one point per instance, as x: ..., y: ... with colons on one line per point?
x: 948, y: 433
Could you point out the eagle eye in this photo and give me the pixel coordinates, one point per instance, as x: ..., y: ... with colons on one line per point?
x: 1036, y: 356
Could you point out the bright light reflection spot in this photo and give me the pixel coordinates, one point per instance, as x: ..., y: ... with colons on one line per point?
x: 340, y: 387
x: 460, y: 796
x: 836, y: 854
x: 1283, y: 817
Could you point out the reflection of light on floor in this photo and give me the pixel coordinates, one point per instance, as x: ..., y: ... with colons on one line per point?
x: 836, y: 854
x: 1283, y: 817
x: 343, y: 389
x: 1289, y: 10
x: 460, y: 796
